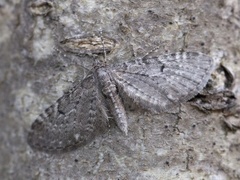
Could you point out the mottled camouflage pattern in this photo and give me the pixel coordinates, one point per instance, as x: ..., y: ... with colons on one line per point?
x: 156, y: 83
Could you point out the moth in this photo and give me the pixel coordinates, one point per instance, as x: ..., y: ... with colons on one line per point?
x: 155, y: 83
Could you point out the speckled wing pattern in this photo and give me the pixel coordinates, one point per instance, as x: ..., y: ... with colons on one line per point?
x: 74, y: 120
x: 156, y: 83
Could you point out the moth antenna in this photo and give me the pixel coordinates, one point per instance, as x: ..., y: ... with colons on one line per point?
x: 151, y: 51
x: 60, y: 52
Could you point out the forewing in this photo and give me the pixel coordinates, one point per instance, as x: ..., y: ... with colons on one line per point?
x: 74, y: 120
x: 158, y: 83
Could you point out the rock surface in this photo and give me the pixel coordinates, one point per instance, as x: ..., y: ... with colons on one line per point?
x: 35, y: 70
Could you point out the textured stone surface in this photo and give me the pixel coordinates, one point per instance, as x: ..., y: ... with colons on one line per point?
x: 35, y: 70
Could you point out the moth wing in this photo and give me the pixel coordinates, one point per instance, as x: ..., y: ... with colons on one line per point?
x: 74, y: 120
x: 159, y: 83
